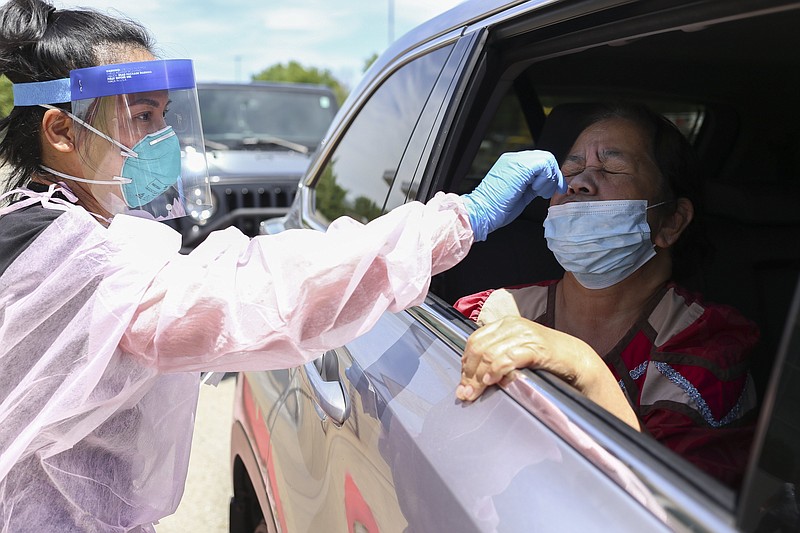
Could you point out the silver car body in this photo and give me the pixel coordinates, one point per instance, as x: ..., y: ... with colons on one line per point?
x: 369, y: 437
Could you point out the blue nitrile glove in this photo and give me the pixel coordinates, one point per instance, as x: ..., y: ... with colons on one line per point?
x: 512, y: 182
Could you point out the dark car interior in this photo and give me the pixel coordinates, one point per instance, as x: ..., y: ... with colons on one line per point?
x: 730, y: 86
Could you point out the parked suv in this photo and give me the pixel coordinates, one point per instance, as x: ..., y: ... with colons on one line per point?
x: 259, y: 141
x: 369, y: 437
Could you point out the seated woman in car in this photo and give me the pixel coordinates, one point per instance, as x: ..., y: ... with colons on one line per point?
x: 616, y: 326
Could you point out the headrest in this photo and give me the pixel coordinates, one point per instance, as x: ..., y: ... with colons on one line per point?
x: 562, y: 126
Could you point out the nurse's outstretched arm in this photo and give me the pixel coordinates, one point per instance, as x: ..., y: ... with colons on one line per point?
x: 278, y: 301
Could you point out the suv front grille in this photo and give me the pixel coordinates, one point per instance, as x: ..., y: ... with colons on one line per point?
x: 243, y: 206
x: 235, y: 198
x: 248, y: 205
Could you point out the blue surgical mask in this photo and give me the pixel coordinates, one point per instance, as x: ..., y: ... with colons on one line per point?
x: 155, y: 167
x: 600, y: 243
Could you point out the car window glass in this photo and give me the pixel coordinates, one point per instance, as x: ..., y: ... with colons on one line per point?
x: 360, y: 172
x: 259, y: 118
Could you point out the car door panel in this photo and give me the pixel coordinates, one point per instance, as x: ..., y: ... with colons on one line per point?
x: 409, y: 449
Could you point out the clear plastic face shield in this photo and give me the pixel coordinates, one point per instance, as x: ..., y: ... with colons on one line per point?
x: 137, y: 156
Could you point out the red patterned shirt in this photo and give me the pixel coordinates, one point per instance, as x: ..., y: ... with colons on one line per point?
x: 683, y: 366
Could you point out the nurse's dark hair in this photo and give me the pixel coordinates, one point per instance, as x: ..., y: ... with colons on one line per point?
x: 677, y: 161
x: 40, y: 43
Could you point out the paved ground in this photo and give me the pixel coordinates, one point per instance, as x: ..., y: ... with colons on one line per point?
x: 204, y: 507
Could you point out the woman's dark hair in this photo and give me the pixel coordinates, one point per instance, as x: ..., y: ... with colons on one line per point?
x: 40, y: 43
x: 677, y: 162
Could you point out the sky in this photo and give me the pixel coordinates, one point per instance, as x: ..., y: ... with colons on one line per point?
x: 230, y: 40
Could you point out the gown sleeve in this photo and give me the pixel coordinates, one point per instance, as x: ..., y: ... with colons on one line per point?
x: 277, y: 301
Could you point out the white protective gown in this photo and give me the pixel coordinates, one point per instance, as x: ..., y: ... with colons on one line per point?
x: 103, y: 332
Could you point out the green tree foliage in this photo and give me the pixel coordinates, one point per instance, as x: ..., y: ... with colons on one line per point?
x: 6, y: 96
x: 329, y: 197
x: 294, y: 72
x: 365, y: 209
x: 369, y: 61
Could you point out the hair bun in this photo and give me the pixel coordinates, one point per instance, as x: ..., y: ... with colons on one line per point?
x: 22, y: 23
